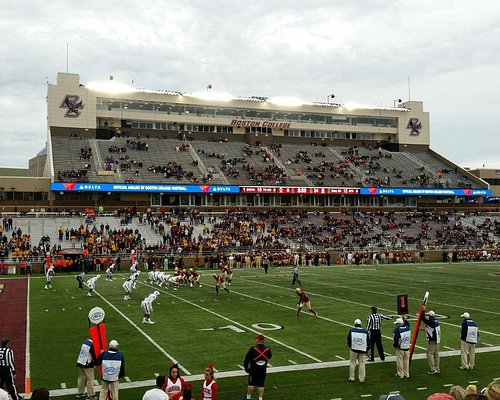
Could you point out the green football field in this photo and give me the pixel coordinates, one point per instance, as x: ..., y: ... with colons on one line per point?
x: 195, y: 327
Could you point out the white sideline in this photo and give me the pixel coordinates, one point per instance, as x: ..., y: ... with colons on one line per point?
x: 286, y: 368
x: 319, y: 316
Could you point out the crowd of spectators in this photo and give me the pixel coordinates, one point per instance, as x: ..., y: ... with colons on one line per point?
x: 270, y: 175
x: 73, y: 175
x: 137, y: 145
x: 85, y: 153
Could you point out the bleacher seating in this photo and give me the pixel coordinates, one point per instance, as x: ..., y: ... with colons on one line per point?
x: 236, y: 163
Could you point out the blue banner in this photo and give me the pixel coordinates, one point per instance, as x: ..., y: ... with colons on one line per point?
x: 140, y: 188
x: 388, y: 191
x: 174, y: 188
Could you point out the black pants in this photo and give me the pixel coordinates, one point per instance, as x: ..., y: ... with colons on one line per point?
x: 7, y: 379
x: 376, y: 340
x: 80, y: 282
x: 296, y: 279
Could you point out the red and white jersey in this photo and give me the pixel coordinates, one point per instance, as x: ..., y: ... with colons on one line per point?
x: 172, y: 387
x: 127, y: 285
x: 135, y: 276
x: 150, y: 298
x: 174, y: 279
x: 162, y: 277
x: 91, y: 282
x: 210, y: 390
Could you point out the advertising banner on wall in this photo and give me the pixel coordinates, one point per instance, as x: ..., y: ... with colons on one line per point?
x: 228, y: 189
x: 140, y: 188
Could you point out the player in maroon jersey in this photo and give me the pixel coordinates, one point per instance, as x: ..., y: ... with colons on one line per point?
x: 220, y: 283
x: 194, y: 277
x: 304, y: 301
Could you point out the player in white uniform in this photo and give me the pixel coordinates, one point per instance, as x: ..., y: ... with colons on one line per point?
x: 91, y: 284
x: 127, y: 286
x: 109, y: 272
x: 163, y: 279
x: 152, y: 277
x: 175, y: 281
x: 134, y: 267
x: 147, y: 307
x: 134, y: 277
x: 48, y: 277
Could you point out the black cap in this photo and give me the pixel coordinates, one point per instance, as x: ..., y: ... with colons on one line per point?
x: 4, y: 342
x: 160, y: 381
x: 374, y: 308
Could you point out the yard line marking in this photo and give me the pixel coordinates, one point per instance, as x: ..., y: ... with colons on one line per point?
x: 340, y: 358
x: 63, y: 385
x: 292, y: 362
x: 27, y: 378
x: 366, y: 395
x: 337, y: 398
x: 285, y: 368
x: 368, y: 305
x: 487, y: 344
x: 269, y: 365
x: 240, y: 366
x: 448, y: 384
x: 473, y: 381
x: 448, y: 347
x: 128, y: 379
x: 149, y: 338
x: 421, y: 388
x: 319, y: 316
x: 239, y: 324
x: 395, y: 284
x: 156, y: 374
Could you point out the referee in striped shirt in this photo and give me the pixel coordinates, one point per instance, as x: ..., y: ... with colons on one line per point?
x: 7, y: 369
x: 373, y: 327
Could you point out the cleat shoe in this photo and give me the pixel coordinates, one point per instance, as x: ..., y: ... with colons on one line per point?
x: 88, y: 294
x: 80, y: 395
x: 151, y: 322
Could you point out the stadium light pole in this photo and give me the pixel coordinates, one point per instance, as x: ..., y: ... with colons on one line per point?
x: 330, y: 96
x: 397, y: 101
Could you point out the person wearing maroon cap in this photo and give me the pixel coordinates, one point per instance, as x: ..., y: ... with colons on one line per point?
x: 256, y: 361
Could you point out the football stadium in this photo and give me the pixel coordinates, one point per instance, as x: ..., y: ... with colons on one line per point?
x: 177, y: 228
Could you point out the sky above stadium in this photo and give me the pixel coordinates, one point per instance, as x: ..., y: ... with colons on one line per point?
x: 362, y: 50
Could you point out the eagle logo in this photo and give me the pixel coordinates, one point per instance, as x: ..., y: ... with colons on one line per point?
x: 415, y: 125
x: 73, y: 104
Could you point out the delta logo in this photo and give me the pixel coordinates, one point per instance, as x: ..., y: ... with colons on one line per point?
x: 372, y: 190
x: 467, y: 192
x: 69, y: 186
x: 205, y: 188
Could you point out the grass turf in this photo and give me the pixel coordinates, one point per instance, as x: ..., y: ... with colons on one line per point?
x: 195, y: 327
